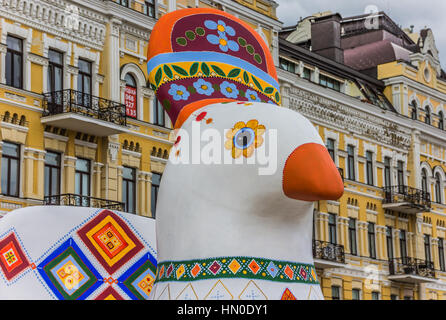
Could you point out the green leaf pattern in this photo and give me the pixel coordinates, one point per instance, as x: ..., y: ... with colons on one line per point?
x: 206, y: 70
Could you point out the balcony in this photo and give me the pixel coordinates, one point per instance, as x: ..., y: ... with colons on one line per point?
x: 411, y: 270
x: 76, y: 200
x: 406, y: 199
x: 328, y: 255
x: 83, y: 112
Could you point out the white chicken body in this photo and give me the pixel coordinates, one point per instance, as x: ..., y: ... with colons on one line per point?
x: 244, y: 236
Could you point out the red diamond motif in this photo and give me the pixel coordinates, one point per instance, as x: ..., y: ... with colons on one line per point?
x: 254, y: 266
x: 195, y: 270
x: 289, y: 272
x: 169, y: 271
x: 303, y: 273
x: 215, y: 267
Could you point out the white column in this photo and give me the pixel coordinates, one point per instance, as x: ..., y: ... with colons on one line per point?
x: 3, y: 49
x: 113, y: 63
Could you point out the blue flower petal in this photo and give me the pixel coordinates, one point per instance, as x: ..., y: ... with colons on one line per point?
x: 210, y: 24
x: 224, y: 48
x: 230, y: 30
x: 212, y: 38
x: 222, y: 23
x: 233, y: 45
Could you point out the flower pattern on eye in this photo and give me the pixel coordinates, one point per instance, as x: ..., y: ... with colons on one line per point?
x: 252, y: 95
x: 220, y: 26
x: 178, y: 92
x: 222, y: 41
x: 244, y: 138
x: 203, y: 87
x: 229, y: 90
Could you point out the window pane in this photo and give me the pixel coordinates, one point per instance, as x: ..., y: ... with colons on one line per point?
x: 17, y: 76
x: 85, y: 185
x: 85, y: 66
x: 52, y: 158
x: 55, y: 181
x: 128, y: 173
x: 14, y: 183
x: 47, y: 181
x: 160, y: 113
x: 356, y: 294
x: 58, y: 79
x: 87, y: 85
x: 77, y: 183
x: 5, y: 167
x: 8, y: 65
x: 83, y: 165
x: 130, y: 80
x: 14, y: 43
x: 10, y: 149
x: 124, y: 194
x: 335, y: 293
x: 131, y: 204
x: 55, y: 57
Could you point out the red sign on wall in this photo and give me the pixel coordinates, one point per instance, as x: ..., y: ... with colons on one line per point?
x: 130, y: 101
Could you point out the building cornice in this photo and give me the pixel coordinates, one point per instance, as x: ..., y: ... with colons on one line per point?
x: 339, y: 110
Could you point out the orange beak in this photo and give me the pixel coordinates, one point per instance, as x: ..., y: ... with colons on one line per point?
x: 311, y: 175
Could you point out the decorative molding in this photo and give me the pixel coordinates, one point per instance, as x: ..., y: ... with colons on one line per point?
x: 316, y: 107
x: 113, y: 148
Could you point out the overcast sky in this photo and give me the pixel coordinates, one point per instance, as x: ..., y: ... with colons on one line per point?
x: 419, y: 13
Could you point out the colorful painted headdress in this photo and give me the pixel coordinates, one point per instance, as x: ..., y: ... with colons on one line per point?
x: 201, y: 56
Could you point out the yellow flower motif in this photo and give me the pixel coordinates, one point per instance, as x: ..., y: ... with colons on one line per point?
x: 244, y: 138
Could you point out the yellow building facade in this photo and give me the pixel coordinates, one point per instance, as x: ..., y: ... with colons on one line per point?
x: 80, y: 124
x: 383, y: 123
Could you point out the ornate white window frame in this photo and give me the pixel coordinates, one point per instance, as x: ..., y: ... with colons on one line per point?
x: 334, y: 136
x: 66, y: 49
x: 374, y: 150
x: 26, y: 34
x: 354, y: 142
x: 94, y: 58
x: 137, y: 73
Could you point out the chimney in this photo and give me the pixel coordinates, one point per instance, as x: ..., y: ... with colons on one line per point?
x: 326, y: 37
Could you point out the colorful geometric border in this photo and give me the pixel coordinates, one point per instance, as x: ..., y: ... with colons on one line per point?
x: 13, y: 260
x: 108, y: 256
x: 109, y: 294
x: 137, y: 282
x: 65, y: 263
x: 236, y: 267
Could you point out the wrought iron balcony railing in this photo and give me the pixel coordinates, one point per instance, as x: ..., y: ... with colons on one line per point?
x: 77, y: 200
x: 412, y: 266
x: 402, y: 193
x: 146, y: 7
x: 77, y: 102
x: 328, y: 251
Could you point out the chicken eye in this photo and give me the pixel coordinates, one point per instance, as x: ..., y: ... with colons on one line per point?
x: 244, y: 138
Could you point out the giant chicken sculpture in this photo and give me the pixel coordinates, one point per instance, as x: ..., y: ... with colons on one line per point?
x: 235, y: 206
x: 241, y: 230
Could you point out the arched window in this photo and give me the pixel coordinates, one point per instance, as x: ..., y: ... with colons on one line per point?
x: 424, y: 180
x: 441, y: 120
x: 427, y: 118
x: 413, y: 112
x: 130, y: 96
x: 438, y: 188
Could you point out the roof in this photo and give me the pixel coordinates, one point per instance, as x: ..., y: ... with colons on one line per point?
x: 375, y: 53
